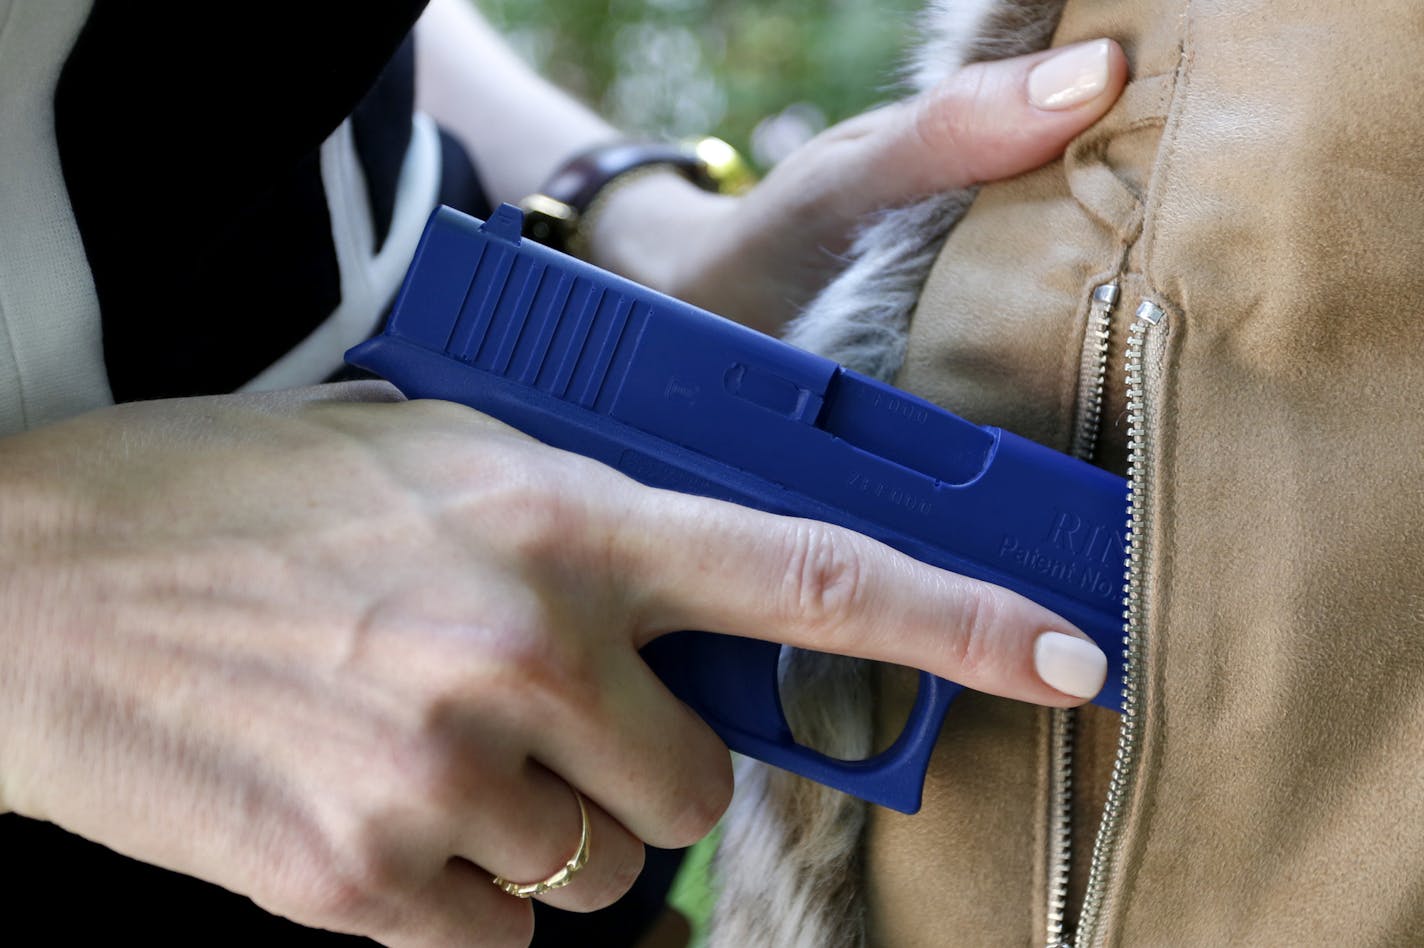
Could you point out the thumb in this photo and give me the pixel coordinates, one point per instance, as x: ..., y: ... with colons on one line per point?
x: 993, y: 120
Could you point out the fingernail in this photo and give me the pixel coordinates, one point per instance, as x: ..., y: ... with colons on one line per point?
x: 1074, y: 666
x: 1074, y: 76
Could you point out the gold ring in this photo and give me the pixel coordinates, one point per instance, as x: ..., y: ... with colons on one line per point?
x: 565, y: 875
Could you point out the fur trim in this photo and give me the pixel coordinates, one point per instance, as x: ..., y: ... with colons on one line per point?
x: 951, y: 33
x: 789, y: 865
x: 789, y: 861
x: 863, y: 318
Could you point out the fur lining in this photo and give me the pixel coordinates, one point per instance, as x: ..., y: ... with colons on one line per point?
x: 789, y: 865
x: 863, y: 318
x: 789, y: 861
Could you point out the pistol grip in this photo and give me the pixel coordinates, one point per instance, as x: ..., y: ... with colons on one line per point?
x: 732, y: 683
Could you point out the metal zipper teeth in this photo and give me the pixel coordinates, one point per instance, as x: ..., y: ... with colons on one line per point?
x: 1091, y: 384
x: 1060, y: 821
x: 1094, y: 371
x: 1138, y: 527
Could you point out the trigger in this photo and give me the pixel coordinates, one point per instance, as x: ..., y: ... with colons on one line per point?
x: 731, y: 682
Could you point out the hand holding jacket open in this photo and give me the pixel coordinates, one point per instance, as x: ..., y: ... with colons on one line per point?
x: 758, y: 257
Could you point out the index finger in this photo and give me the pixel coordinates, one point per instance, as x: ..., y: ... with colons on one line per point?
x: 719, y: 567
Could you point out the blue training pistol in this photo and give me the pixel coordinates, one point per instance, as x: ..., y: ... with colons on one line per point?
x: 678, y: 398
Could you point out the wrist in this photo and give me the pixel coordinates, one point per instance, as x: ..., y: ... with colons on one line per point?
x: 564, y: 213
x: 651, y: 227
x: 699, y: 247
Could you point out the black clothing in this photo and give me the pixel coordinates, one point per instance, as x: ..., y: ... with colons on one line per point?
x: 189, y: 137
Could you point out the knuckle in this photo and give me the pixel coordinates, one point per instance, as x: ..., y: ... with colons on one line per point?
x: 694, y: 821
x: 975, y: 639
x: 558, y: 512
x: 615, y: 875
x: 945, y: 118
x: 340, y: 902
x: 957, y: 119
x: 526, y: 653
x: 352, y: 892
x: 320, y: 873
x: 622, y: 876
x: 533, y: 672
x: 701, y: 811
x: 825, y: 580
x: 538, y: 521
x: 371, y: 865
x: 431, y: 772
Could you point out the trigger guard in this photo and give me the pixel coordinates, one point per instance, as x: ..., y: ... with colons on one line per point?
x: 893, y: 778
x: 733, y: 684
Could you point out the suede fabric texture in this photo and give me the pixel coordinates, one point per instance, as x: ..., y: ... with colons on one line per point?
x: 1262, y: 180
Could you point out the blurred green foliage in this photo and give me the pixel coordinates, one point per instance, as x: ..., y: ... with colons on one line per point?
x: 671, y: 68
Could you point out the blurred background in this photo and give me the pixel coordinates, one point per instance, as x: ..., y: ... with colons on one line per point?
x: 765, y: 75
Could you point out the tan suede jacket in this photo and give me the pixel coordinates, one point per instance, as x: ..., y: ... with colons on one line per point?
x: 1255, y: 202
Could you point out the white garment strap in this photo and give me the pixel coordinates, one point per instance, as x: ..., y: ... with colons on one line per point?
x: 368, y: 279
x: 51, y: 348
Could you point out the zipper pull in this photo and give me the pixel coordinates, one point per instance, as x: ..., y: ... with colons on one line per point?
x: 1093, y: 371
x: 1149, y: 311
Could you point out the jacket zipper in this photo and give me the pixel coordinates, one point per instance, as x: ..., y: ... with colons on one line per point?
x: 1060, y: 821
x: 1139, y: 527
x: 1093, y: 374
x: 1092, y: 380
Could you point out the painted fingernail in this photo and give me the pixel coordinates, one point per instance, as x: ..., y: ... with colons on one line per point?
x: 1074, y: 666
x: 1074, y: 76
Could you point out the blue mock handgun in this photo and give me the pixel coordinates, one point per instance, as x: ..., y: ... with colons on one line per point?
x: 678, y: 398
